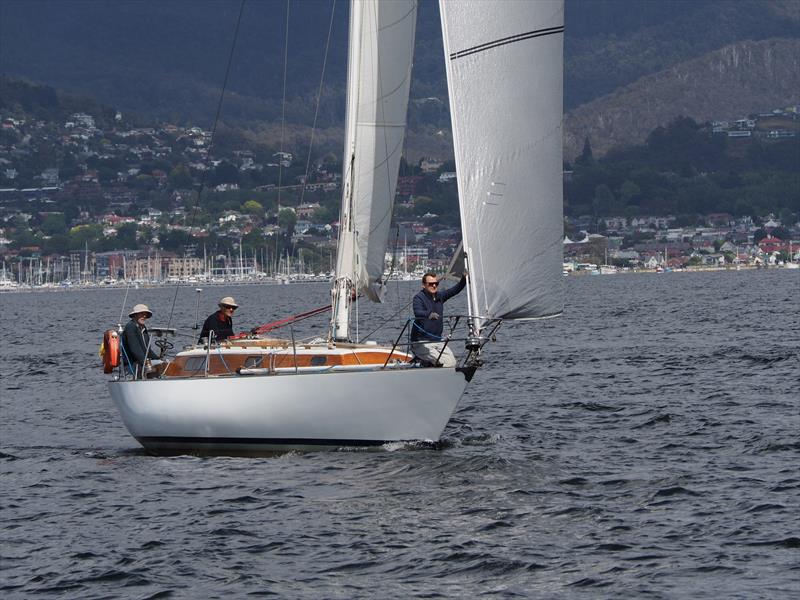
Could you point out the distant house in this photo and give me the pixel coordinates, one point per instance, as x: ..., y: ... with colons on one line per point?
x: 772, y: 244
x: 407, y: 186
x: 284, y: 158
x: 49, y: 176
x: 719, y: 219
x: 616, y: 223
x: 430, y: 165
x: 304, y: 211
x: 777, y: 134
x: 83, y: 119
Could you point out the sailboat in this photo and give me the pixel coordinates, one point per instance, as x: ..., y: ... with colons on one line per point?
x: 257, y: 393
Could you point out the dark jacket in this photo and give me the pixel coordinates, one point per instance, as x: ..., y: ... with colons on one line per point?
x: 425, y: 303
x: 135, y: 343
x: 220, y: 324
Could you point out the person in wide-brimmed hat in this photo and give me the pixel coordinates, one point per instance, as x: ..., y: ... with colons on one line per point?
x: 219, y: 325
x: 136, y: 341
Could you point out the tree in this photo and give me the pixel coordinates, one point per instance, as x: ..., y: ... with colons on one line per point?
x: 322, y: 214
x: 782, y: 233
x: 180, y: 178
x: 56, y: 244
x: 787, y: 217
x: 287, y: 219
x: 126, y: 236
x: 80, y: 235
x: 629, y: 192
x: 254, y: 208
x: 53, y: 224
x: 586, y: 158
x: 225, y: 172
x: 758, y: 235
x: 253, y: 240
x: 174, y: 240
x: 603, y: 200
x: 422, y: 205
x: 106, y: 174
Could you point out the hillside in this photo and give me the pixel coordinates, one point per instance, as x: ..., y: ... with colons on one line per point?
x: 613, y: 43
x: 730, y: 83
x: 629, y: 65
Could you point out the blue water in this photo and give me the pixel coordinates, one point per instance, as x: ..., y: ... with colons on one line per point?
x: 644, y: 445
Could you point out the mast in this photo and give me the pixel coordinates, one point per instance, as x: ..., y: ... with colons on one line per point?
x: 343, y: 283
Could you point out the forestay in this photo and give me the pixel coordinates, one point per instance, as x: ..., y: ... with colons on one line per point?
x: 379, y: 73
x: 505, y: 76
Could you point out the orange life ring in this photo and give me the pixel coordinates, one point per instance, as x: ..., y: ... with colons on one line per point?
x: 110, y: 351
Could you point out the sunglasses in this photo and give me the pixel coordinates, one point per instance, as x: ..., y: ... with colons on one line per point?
x: 432, y: 283
x: 226, y: 307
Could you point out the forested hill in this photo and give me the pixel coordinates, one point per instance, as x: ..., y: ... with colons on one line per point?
x: 168, y: 58
x: 727, y: 84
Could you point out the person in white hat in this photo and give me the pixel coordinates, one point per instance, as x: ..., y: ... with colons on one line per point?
x: 219, y: 325
x: 136, y: 341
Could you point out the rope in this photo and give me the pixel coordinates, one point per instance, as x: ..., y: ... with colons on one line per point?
x: 127, y: 362
x: 280, y: 323
x: 426, y: 332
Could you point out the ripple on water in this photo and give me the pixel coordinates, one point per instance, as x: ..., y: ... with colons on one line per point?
x: 644, y: 444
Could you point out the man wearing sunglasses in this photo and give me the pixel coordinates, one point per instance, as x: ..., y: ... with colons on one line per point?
x: 219, y: 325
x: 426, y: 332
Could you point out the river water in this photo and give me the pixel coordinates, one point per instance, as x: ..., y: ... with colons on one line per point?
x: 644, y: 444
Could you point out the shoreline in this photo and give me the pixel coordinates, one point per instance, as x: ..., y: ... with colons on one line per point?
x: 196, y: 284
x: 698, y: 269
x: 140, y: 286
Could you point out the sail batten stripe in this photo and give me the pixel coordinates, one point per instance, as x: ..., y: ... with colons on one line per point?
x: 507, y: 40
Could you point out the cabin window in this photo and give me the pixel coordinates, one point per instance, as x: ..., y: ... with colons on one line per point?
x: 195, y: 363
x: 318, y: 361
x: 252, y: 362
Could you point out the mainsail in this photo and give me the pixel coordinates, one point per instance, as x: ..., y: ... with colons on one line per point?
x: 505, y: 76
x: 379, y: 73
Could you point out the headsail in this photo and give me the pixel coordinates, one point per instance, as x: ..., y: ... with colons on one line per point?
x: 379, y: 75
x: 505, y: 77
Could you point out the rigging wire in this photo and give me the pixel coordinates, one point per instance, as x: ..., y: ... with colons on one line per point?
x: 283, y: 103
x: 390, y: 318
x: 211, y: 140
x: 319, y: 98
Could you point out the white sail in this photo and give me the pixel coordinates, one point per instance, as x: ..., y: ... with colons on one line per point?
x: 505, y: 77
x: 379, y: 73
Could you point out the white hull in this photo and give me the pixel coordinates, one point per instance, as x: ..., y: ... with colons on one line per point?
x: 243, y: 415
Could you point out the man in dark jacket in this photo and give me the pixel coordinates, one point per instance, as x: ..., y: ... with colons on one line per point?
x: 426, y: 334
x: 221, y: 322
x: 136, y: 348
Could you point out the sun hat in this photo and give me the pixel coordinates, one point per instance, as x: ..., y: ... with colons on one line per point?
x: 228, y: 301
x: 140, y: 308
